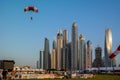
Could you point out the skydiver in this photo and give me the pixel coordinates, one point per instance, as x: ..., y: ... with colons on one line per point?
x: 31, y: 18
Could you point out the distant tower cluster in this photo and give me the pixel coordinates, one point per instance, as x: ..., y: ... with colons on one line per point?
x: 67, y: 56
x: 75, y: 55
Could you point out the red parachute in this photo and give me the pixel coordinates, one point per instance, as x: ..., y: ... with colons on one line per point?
x: 115, y: 53
x: 31, y: 8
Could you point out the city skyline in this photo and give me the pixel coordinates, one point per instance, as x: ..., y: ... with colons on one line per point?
x: 21, y: 37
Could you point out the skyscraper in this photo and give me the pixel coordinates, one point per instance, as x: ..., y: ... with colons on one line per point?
x: 89, y: 54
x: 82, y: 53
x: 42, y: 63
x: 74, y: 47
x: 68, y: 66
x: 47, y: 54
x: 65, y: 58
x: 54, y: 55
x: 59, y: 50
x: 98, y: 57
x: 108, y: 47
x: 37, y: 64
x: 54, y: 59
x: 65, y: 49
x: 98, y: 52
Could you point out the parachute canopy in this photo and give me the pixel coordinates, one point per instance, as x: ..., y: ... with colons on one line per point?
x: 115, y: 53
x: 31, y: 8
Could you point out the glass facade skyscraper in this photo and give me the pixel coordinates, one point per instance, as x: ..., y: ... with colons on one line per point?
x: 108, y: 47
x: 42, y: 56
x: 47, y: 54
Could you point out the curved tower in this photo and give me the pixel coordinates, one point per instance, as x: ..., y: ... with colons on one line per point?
x: 108, y: 47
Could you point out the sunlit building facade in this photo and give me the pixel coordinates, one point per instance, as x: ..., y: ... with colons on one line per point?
x: 108, y: 47
x: 54, y: 59
x: 59, y: 50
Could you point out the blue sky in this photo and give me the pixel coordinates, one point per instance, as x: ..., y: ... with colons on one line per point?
x: 21, y: 38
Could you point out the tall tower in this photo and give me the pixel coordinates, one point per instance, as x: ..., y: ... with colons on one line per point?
x: 108, y: 47
x: 74, y: 47
x: 89, y: 54
x: 98, y: 53
x: 47, y: 54
x: 42, y: 57
x: 54, y: 59
x: 54, y: 55
x: 98, y: 57
x: 65, y: 58
x: 37, y: 64
x: 65, y: 49
x: 69, y: 57
x: 82, y: 53
x: 59, y: 50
